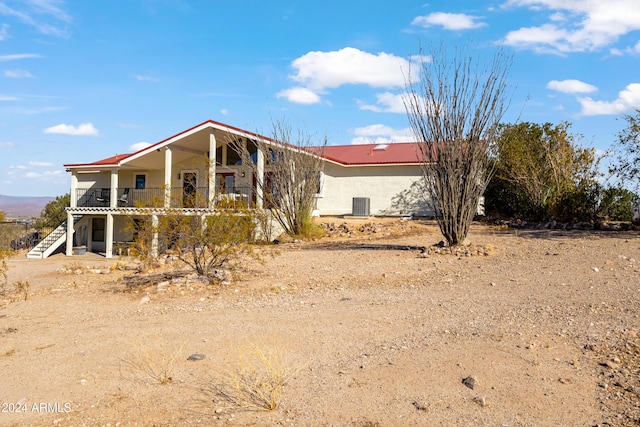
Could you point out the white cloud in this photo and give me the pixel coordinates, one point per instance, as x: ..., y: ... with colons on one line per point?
x: 449, y: 21
x: 8, y: 98
x: 321, y: 70
x: 571, y: 86
x: 85, y: 129
x: 17, y: 74
x: 586, y: 25
x: 41, y: 164
x: 18, y: 56
x: 3, y: 32
x: 139, y: 146
x: 32, y: 175
x: 299, y: 95
x: 387, y: 102
x: 224, y: 111
x: 628, y: 99
x: 317, y: 71
x: 6, y: 144
x: 381, y: 134
x: 44, y: 15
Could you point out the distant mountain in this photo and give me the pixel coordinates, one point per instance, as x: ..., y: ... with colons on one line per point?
x: 20, y: 207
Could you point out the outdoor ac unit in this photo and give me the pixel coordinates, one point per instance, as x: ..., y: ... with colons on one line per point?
x: 360, y: 206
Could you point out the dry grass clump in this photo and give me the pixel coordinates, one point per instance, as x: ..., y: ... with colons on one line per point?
x: 257, y: 381
x: 157, y: 365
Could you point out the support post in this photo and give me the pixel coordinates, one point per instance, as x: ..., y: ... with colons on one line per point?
x: 167, y: 177
x: 74, y: 190
x: 212, y: 170
x: 260, y: 179
x: 113, y: 191
x: 108, y: 236
x: 69, y: 247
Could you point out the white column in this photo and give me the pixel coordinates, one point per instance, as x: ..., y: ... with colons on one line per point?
x: 167, y: 177
x: 212, y: 170
x: 69, y: 248
x: 225, y: 149
x: 260, y: 179
x: 113, y: 195
x: 108, y: 236
x: 74, y: 190
x: 154, y: 241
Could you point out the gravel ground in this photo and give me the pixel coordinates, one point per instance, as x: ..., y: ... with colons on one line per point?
x: 368, y: 329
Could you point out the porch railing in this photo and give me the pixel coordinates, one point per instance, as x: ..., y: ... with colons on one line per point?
x: 154, y: 197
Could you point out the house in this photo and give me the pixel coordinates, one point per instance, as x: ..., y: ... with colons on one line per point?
x: 195, y: 169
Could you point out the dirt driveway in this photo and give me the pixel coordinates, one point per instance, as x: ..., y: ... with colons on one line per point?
x: 367, y: 329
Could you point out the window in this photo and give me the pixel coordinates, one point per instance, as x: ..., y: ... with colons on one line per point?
x: 140, y: 181
x: 97, y: 230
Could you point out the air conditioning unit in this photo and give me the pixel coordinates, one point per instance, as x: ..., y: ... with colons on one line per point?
x: 360, y: 206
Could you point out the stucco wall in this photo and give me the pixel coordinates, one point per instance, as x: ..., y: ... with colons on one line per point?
x: 392, y: 190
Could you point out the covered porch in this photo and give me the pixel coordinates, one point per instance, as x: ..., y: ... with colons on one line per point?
x: 195, y: 170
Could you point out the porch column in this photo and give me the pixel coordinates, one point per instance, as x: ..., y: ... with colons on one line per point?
x: 154, y: 239
x: 69, y: 247
x: 260, y: 179
x: 212, y: 170
x: 108, y: 236
x: 74, y: 190
x: 167, y: 177
x: 113, y: 194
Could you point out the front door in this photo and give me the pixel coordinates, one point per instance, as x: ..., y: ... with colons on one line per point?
x: 189, y: 189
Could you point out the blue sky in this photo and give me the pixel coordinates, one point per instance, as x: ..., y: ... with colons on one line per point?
x: 82, y: 80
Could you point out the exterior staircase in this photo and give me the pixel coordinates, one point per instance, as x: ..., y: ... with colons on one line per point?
x: 52, y: 241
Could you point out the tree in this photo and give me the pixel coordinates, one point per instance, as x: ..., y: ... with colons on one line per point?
x: 293, y: 164
x: 627, y: 151
x: 207, y: 242
x: 204, y: 242
x: 454, y: 109
x: 2, y: 216
x: 54, y: 212
x: 543, y: 173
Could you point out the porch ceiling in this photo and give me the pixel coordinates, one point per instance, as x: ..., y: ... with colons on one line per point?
x: 192, y: 147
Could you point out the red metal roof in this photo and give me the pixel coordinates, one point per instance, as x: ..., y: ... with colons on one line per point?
x: 374, y: 154
x: 347, y: 155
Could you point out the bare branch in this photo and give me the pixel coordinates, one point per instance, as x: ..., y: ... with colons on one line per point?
x: 454, y: 109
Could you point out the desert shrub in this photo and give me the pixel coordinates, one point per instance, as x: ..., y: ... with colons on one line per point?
x: 204, y: 242
x: 141, y: 247
x: 294, y: 158
x: 157, y: 364
x: 256, y: 381
x: 9, y: 232
x: 579, y: 203
x: 541, y: 172
x: 4, y: 254
x: 616, y: 204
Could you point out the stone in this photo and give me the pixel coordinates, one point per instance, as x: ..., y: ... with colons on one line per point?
x: 470, y: 382
x: 196, y: 356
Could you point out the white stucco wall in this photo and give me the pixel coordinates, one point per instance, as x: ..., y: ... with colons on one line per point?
x: 392, y: 190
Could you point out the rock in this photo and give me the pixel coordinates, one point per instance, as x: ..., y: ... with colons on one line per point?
x: 611, y: 365
x: 196, y: 356
x: 469, y: 382
x: 145, y: 299
x: 420, y: 406
x: 480, y: 400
